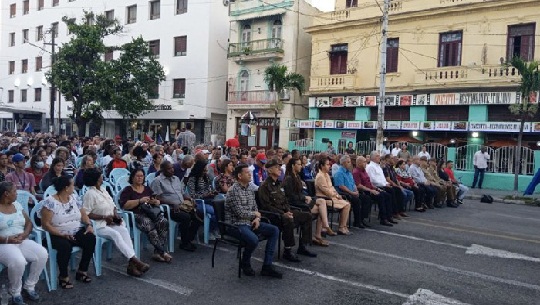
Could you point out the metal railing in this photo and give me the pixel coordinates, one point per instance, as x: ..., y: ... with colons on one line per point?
x: 255, y: 46
x: 308, y: 146
x: 503, y: 160
x: 365, y: 147
x: 465, y: 155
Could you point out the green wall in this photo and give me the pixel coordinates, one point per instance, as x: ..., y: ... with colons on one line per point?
x: 363, y: 113
x: 418, y: 113
x: 314, y: 113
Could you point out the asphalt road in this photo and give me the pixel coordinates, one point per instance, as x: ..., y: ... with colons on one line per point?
x: 476, y: 254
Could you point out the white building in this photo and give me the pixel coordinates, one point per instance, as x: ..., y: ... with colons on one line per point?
x: 190, y: 37
x: 262, y: 33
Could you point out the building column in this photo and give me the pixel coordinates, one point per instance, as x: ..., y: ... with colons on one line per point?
x: 362, y: 114
x: 418, y: 113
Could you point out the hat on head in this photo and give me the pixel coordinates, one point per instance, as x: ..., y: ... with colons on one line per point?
x: 271, y: 163
x: 205, y: 151
x: 261, y: 157
x: 118, y: 138
x: 18, y: 157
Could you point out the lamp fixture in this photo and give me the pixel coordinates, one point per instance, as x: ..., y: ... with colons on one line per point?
x: 475, y: 134
x: 415, y: 133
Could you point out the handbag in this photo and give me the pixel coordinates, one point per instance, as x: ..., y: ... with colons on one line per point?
x: 486, y: 199
x: 151, y: 211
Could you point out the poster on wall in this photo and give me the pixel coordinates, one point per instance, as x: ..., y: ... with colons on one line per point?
x: 410, y: 125
x: 426, y: 126
x: 536, y: 127
x: 323, y: 101
x: 312, y: 101
x: 305, y: 124
x: 498, y: 126
x: 370, y: 125
x: 421, y: 100
x: 405, y: 100
x: 353, y: 125
x: 393, y: 125
x: 293, y: 123
x: 329, y: 124
x: 319, y: 124
x: 348, y: 134
x: 337, y: 101
x: 442, y: 126
x: 370, y: 101
x: 460, y: 126
x: 340, y: 124
x: 390, y: 100
x: 352, y: 101
x: 445, y: 99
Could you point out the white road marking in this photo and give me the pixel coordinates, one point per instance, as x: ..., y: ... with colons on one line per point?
x: 473, y: 249
x: 481, y: 250
x: 428, y: 297
x: 445, y: 268
x: 516, y: 217
x: 152, y: 281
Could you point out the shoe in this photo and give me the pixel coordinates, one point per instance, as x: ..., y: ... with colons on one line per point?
x: 431, y: 206
x: 65, y: 284
x: 17, y: 300
x: 339, y: 232
x: 167, y: 257
x: 247, y: 270
x: 142, y: 267
x: 132, y: 269
x: 359, y: 225
x: 319, y: 242
x: 158, y: 258
x: 402, y: 214
x: 32, y: 295
x: 390, y: 220
x: 330, y: 232
x: 303, y: 251
x: 366, y: 225
x: 459, y: 201
x: 291, y: 257
x: 83, y: 277
x: 421, y: 210
x: 451, y: 205
x: 438, y: 206
x: 386, y: 223
x: 396, y: 216
x: 268, y: 270
x: 188, y: 247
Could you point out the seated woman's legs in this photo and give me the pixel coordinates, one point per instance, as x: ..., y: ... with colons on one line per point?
x: 37, y: 256
x: 157, y: 232
x: 87, y: 242
x: 120, y: 237
x: 12, y: 257
x: 63, y: 248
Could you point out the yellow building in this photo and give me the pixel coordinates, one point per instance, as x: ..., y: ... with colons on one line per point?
x: 444, y: 74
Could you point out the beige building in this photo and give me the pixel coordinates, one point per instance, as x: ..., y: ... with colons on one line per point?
x: 444, y: 73
x: 262, y: 33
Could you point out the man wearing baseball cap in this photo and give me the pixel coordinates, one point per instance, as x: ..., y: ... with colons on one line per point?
x: 20, y: 178
x: 259, y: 173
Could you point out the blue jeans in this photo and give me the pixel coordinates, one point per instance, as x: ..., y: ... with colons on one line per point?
x: 462, y: 191
x: 478, y: 176
x: 408, y: 196
x: 251, y: 239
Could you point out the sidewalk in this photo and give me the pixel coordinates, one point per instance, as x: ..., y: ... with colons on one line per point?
x: 498, y: 195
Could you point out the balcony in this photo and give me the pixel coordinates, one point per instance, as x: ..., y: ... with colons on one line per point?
x: 337, y: 82
x: 259, y: 99
x: 467, y: 76
x: 255, y: 50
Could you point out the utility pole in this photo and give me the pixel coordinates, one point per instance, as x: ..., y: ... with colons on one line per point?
x: 53, y: 87
x: 382, y: 87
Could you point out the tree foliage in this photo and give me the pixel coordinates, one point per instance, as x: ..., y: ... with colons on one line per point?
x: 92, y: 84
x: 530, y: 83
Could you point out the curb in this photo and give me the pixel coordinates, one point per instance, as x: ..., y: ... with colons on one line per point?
x: 495, y: 199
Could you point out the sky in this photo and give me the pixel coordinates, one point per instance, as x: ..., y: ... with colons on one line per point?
x: 323, y: 5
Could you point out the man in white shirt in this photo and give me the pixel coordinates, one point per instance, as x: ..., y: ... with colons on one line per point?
x: 376, y: 175
x: 480, y: 162
x: 396, y: 149
x: 424, y: 153
x: 386, y: 149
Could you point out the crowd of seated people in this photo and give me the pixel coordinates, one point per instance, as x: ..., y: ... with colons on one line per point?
x: 287, y: 189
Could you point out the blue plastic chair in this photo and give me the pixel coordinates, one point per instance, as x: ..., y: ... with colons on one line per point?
x: 53, y: 267
x: 121, y: 183
x: 78, y: 162
x: 129, y: 217
x: 145, y: 169
x: 102, y: 241
x: 49, y: 192
x: 23, y: 197
x: 117, y: 173
x: 149, y: 178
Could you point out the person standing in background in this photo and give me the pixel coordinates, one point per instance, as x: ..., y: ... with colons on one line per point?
x: 480, y: 162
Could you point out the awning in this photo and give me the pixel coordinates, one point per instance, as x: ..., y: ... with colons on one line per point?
x: 153, y: 115
x: 252, y: 16
x: 23, y: 110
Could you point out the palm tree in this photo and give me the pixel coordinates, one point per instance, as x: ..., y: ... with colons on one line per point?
x: 279, y: 80
x: 530, y: 83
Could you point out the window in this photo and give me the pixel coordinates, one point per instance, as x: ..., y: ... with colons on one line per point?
x: 11, y: 67
x: 109, y: 15
x: 24, y: 95
x: 244, y: 85
x: 40, y: 4
x: 246, y: 34
x: 109, y: 55
x: 154, y: 47
x: 155, y: 93
x: 55, y: 2
x: 181, y: 6
x: 450, y: 49
x: 11, y: 39
x: 54, y: 29
x: 500, y: 113
x: 39, y: 33
x: 24, y: 65
x: 336, y: 113
x: 37, y: 95
x: 131, y: 14
x: 399, y: 113
x: 26, y: 7
x: 448, y: 113
x: 154, y: 10
x: 179, y: 88
x: 351, y: 3
x: 180, y: 46
x: 338, y: 58
x: 392, y: 53
x: 276, y: 29
x: 39, y: 63
x: 11, y: 96
x: 521, y: 41
x: 25, y: 36
x: 12, y: 10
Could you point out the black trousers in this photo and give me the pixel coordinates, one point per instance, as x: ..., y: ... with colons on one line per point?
x: 361, y: 207
x: 188, y: 222
x: 87, y: 242
x: 430, y: 193
x: 419, y: 195
x: 384, y: 201
x: 397, y: 198
x: 301, y: 219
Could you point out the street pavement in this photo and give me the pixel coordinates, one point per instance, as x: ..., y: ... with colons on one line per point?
x: 476, y: 254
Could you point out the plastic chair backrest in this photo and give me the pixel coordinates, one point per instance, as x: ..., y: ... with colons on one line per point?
x: 23, y: 197
x: 150, y: 178
x: 49, y: 191
x: 109, y: 188
x: 117, y: 173
x: 121, y: 183
x: 78, y: 162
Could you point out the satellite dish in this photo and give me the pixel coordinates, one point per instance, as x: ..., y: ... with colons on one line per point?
x: 226, y: 2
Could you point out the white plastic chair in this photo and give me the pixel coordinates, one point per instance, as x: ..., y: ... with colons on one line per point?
x: 117, y: 173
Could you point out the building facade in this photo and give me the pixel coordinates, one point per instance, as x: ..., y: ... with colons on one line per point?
x: 445, y: 74
x: 193, y: 57
x: 262, y: 33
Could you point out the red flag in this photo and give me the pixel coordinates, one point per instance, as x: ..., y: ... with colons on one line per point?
x: 147, y: 138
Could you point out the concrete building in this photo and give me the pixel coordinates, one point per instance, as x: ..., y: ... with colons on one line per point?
x: 190, y: 38
x: 444, y: 74
x: 262, y: 33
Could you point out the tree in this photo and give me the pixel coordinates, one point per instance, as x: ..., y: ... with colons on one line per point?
x: 529, y: 84
x: 278, y: 80
x: 92, y: 84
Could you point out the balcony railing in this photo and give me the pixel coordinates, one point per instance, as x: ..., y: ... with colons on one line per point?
x: 261, y: 99
x: 256, y: 48
x: 332, y: 82
x: 467, y: 74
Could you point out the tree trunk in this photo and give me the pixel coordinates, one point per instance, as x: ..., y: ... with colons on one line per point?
x: 81, y: 128
x: 517, y: 155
